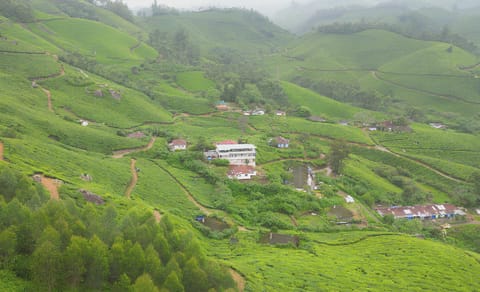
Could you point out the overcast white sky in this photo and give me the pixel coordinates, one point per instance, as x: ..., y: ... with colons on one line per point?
x: 265, y: 6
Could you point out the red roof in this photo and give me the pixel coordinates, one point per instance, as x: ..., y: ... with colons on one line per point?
x: 178, y: 142
x: 241, y: 169
x: 227, y: 142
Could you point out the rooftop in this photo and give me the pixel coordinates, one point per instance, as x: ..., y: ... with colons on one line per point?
x: 230, y: 147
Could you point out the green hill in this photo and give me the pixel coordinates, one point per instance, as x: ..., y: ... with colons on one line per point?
x: 427, y: 75
x: 242, y: 31
x: 92, y: 198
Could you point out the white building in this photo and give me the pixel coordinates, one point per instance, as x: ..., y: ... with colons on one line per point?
x: 178, y: 144
x: 237, y: 154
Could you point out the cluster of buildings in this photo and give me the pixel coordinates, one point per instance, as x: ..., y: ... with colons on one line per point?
x: 241, y: 158
x: 423, y: 212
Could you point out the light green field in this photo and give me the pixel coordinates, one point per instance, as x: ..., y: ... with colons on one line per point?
x: 107, y: 44
x: 319, y: 105
x: 378, y: 262
x: 194, y: 81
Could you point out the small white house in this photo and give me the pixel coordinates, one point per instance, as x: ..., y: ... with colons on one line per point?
x: 241, y: 172
x: 177, y: 144
x: 258, y: 112
x: 349, y: 199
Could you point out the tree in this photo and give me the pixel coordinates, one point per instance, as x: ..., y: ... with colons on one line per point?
x: 194, y: 278
x: 173, y: 284
x: 144, y: 283
x: 123, y: 284
x: 47, y: 265
x: 96, y: 263
x: 8, y: 241
x: 75, y: 261
x: 339, y: 150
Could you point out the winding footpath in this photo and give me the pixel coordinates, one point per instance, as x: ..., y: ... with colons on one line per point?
x: 134, y: 180
x: 239, y: 280
x: 121, y: 153
x: 186, y: 191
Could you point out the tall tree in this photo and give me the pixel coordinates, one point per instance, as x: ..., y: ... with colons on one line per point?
x: 339, y: 150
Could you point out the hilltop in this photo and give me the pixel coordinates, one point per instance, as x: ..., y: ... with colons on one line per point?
x: 92, y: 197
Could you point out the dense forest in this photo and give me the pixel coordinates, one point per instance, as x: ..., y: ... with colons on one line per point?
x: 61, y: 245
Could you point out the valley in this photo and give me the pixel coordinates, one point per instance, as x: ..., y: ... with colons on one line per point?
x: 216, y: 151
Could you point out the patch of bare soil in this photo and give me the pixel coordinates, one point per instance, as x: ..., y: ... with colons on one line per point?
x: 157, y: 216
x: 1, y: 150
x: 238, y: 279
x: 52, y: 186
x: 133, y: 181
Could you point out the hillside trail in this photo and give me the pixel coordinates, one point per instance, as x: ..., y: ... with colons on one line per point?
x: 49, y: 99
x: 46, y: 91
x: 1, y: 151
x: 157, y: 216
x: 134, y: 180
x: 192, y: 199
x: 187, y: 192
x: 416, y: 161
x: 121, y: 153
x: 238, y: 279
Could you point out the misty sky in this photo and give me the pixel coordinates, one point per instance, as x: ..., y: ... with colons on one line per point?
x: 265, y: 6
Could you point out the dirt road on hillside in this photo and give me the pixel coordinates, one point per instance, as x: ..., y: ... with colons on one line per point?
x: 122, y: 153
x: 134, y: 180
x: 238, y: 279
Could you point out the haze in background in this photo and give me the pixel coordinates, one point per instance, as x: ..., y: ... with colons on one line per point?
x: 267, y: 7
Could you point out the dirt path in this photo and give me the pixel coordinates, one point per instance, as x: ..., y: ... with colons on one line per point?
x: 294, y: 221
x: 134, y: 180
x: 1, y: 151
x: 186, y: 191
x: 440, y: 173
x: 122, y: 153
x: 157, y: 216
x: 52, y: 186
x: 238, y: 279
x: 49, y: 98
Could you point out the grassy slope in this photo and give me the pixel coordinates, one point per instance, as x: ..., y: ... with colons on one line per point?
x: 319, y: 105
x: 24, y: 109
x: 107, y: 44
x: 236, y: 29
x: 418, y: 71
x: 388, y: 262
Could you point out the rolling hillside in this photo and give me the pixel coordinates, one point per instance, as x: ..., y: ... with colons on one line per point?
x: 242, y: 31
x: 419, y: 73
x: 89, y: 185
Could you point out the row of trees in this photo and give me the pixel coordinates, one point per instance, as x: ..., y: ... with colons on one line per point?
x: 18, y: 10
x: 58, y: 245
x: 344, y: 92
